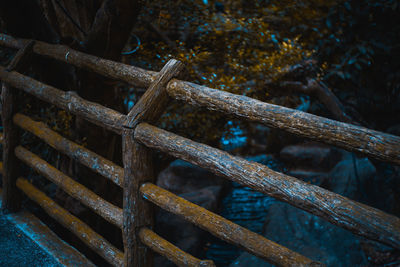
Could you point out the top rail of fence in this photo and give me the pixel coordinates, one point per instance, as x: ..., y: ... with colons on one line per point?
x: 354, y: 138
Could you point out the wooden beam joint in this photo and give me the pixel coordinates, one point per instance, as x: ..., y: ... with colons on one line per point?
x: 138, y: 166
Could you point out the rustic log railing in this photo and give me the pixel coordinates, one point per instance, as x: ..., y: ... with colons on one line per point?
x: 136, y: 218
x: 350, y: 137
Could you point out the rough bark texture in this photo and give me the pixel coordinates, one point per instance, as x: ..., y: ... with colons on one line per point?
x: 356, y: 217
x: 375, y: 144
x: 105, y: 209
x: 12, y: 196
x: 88, y: 158
x: 224, y: 229
x: 108, y: 34
x: 111, y: 171
x: 154, y: 101
x: 100, y: 28
x: 174, y: 254
x: 108, y: 68
x: 72, y: 223
x: 138, y: 167
x: 69, y: 101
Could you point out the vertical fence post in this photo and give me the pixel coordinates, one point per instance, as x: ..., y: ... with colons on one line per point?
x: 138, y: 166
x: 11, y: 195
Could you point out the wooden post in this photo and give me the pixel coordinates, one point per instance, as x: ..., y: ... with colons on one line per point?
x: 138, y: 167
x: 11, y: 195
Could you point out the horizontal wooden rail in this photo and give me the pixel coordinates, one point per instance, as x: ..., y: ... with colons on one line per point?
x: 354, y: 216
x: 69, y: 101
x: 171, y: 252
x: 373, y: 143
x: 115, y: 70
x: 88, y: 158
x: 108, y: 211
x: 72, y: 223
x: 225, y: 229
x: 111, y: 171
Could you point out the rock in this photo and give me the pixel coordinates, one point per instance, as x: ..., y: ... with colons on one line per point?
x: 377, y: 185
x: 197, y: 186
x: 349, y: 177
x: 310, y: 156
x: 310, y: 236
x: 182, y: 177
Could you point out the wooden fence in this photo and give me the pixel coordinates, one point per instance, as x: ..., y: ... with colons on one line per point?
x: 140, y: 194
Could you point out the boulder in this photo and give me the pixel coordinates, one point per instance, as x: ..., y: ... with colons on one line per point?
x: 349, y: 177
x: 310, y: 155
x: 182, y: 177
x: 310, y: 236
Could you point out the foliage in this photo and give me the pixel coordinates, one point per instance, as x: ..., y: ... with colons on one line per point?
x: 247, y: 47
x: 223, y: 46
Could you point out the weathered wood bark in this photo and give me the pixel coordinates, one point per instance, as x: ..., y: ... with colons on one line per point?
x: 69, y: 101
x: 88, y: 158
x: 72, y: 223
x: 138, y: 167
x: 358, y: 139
x: 108, y: 68
x: 224, y: 229
x: 354, y: 138
x: 108, y: 34
x: 109, y: 29
x: 153, y: 102
x: 105, y: 168
x: 108, y: 211
x: 322, y: 93
x: 174, y: 254
x: 351, y: 215
x: 12, y: 196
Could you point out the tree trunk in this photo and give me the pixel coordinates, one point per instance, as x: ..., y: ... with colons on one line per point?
x: 97, y: 27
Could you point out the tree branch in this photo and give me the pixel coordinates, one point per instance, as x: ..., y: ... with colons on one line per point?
x: 324, y: 95
x: 111, y: 28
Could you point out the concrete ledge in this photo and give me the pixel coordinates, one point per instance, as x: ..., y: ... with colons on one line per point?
x: 59, y: 252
